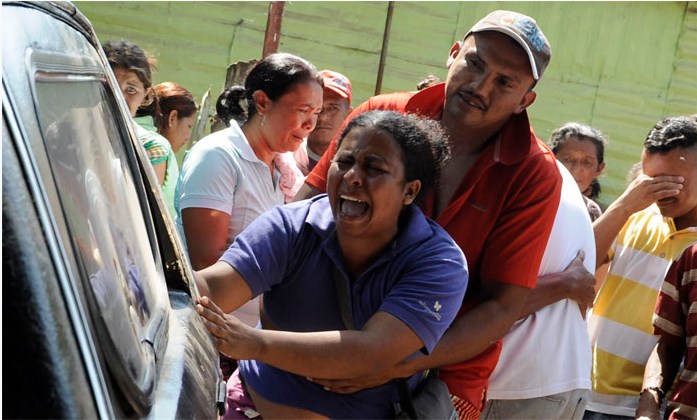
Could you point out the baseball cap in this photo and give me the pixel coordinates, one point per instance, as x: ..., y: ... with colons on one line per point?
x: 525, y: 31
x: 337, y: 82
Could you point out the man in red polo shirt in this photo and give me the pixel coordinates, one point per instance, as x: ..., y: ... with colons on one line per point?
x: 497, y: 198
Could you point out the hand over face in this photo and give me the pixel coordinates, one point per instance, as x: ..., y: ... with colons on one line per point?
x: 646, y: 190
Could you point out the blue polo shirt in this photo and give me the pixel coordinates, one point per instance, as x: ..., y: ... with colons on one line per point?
x: 290, y: 253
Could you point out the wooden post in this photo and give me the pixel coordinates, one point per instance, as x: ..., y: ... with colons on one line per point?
x: 383, y: 51
x: 273, y: 27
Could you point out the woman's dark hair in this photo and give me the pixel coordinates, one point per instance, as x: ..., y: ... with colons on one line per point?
x: 581, y: 131
x: 151, y: 107
x: 424, y: 144
x: 275, y: 75
x: 595, y: 189
x: 174, y: 97
x: 670, y: 133
x: 127, y: 55
x: 229, y: 106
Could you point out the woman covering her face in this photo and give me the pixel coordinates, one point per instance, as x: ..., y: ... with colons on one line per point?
x: 404, y: 276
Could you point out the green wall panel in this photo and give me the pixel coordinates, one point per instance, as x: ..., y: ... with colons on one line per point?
x: 343, y: 36
x: 620, y: 66
x: 626, y: 115
x: 682, y: 93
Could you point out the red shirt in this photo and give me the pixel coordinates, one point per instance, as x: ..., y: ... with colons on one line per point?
x: 501, y: 215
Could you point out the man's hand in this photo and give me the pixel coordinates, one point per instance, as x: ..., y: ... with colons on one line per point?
x: 349, y: 386
x: 574, y: 283
x: 581, y: 283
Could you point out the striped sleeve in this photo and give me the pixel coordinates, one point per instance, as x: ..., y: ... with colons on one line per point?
x: 673, y: 305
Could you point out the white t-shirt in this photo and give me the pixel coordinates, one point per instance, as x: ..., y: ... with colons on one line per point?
x: 221, y: 172
x: 549, y: 351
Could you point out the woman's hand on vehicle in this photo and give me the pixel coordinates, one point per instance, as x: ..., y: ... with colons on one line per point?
x: 232, y: 337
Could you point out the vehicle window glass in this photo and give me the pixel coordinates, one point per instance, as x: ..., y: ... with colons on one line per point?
x: 105, y: 221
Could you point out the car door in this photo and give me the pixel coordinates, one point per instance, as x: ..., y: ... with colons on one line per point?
x: 93, y: 268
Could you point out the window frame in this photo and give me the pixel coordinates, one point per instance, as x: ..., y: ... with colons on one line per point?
x: 48, y: 67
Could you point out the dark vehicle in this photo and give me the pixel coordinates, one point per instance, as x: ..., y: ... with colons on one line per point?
x: 98, y: 314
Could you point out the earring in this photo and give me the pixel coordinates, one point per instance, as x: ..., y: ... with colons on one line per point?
x: 261, y: 124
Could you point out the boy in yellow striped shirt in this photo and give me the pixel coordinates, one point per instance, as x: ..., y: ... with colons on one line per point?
x: 639, y: 235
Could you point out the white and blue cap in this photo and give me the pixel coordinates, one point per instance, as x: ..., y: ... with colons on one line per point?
x: 524, y: 30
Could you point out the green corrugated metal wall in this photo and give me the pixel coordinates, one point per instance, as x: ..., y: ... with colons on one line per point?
x: 619, y: 66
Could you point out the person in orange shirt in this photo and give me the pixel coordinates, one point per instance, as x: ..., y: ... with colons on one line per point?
x: 497, y: 198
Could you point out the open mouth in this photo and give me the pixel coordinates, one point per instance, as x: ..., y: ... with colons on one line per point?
x: 350, y: 207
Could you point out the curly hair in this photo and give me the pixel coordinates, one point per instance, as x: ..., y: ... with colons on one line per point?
x: 670, y: 133
x: 129, y: 56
